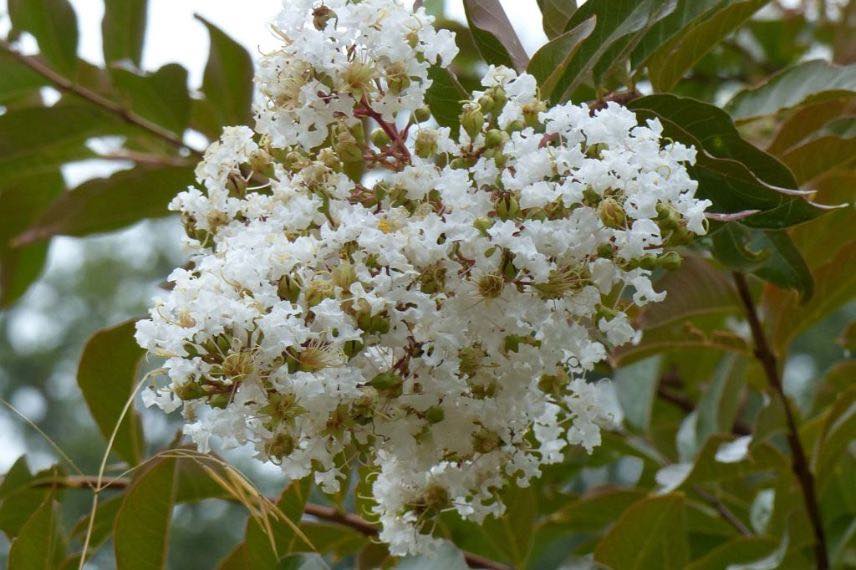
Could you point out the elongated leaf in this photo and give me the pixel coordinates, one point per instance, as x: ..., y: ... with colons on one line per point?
x: 160, y: 97
x: 819, y: 156
x: 809, y: 82
x: 550, y: 60
x: 18, y: 79
x: 555, y: 15
x: 686, y: 12
x: 107, y: 377
x: 444, y: 98
x: 260, y: 552
x: 302, y: 561
x: 102, y: 528
x: 671, y: 62
x: 19, y: 499
x: 803, y: 122
x: 54, y: 25
x: 123, y: 30
x: 718, y: 406
x: 838, y: 433
x: 39, y: 545
x: 106, y: 204
x: 770, y: 255
x: 650, y: 534
x: 738, y: 550
x: 494, y: 35
x: 23, y: 200
x: 142, y: 523
x: 39, y: 139
x: 618, y: 25
x: 228, y: 79
x: 636, y: 386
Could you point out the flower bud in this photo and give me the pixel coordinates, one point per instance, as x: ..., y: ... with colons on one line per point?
x: 426, y: 143
x: 670, y: 260
x: 612, y: 214
x: 386, y: 382
x: 288, y: 288
x: 495, y: 138
x: 397, y: 79
x: 507, y: 207
x: 318, y: 290
x: 472, y: 120
x: 380, y: 138
x: 515, y: 126
x: 483, y: 225
x: 344, y: 275
x: 435, y: 414
x: 422, y: 114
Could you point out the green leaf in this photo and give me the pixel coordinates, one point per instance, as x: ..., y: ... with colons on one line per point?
x: 142, y: 523
x: 686, y: 12
x: 550, y: 61
x: 809, y: 82
x: 839, y: 430
x: 228, y: 79
x: 770, y: 255
x: 102, y: 528
x: 804, y: 121
x: 302, y: 561
x: 555, y: 15
x: 671, y: 62
x: 18, y: 79
x: 335, y: 540
x: 718, y: 407
x: 820, y: 155
x: 54, y: 25
x: 107, y: 377
x: 39, y: 139
x: 18, y: 498
x: 106, y: 204
x: 447, y: 557
x: 596, y: 509
x: 737, y: 550
x: 494, y: 36
x: 636, y: 387
x: 650, y: 534
x: 619, y: 25
x: 123, y: 30
x: 39, y: 545
x: 161, y: 97
x: 260, y: 552
x: 445, y: 97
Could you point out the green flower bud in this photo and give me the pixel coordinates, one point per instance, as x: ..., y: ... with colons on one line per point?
x: 435, y: 414
x: 422, y: 114
x: 515, y: 126
x: 288, y: 288
x: 344, y: 275
x: 486, y: 102
x: 189, y: 391
x: 499, y: 99
x: 219, y: 400
x: 352, y: 348
x: 380, y: 138
x: 472, y: 120
x: 426, y: 143
x: 596, y: 150
x: 507, y: 207
x: 386, y: 381
x: 670, y: 260
x: 605, y: 251
x: 612, y: 214
x: 483, y: 225
x: 318, y: 290
x: 495, y: 138
x: 590, y: 197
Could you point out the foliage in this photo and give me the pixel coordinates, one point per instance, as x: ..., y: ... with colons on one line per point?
x: 726, y: 455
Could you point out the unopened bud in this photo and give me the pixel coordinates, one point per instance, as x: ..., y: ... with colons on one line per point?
x: 612, y: 214
x: 670, y: 260
x: 380, y: 138
x: 422, y: 114
x: 426, y: 143
x: 472, y: 120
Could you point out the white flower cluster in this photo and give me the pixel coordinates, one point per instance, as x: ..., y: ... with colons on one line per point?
x: 424, y: 302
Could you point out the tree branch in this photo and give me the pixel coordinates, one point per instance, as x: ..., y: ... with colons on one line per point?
x: 799, y: 464
x: 322, y: 512
x: 64, y: 84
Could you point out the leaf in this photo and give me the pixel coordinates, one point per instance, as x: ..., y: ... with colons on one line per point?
x: 123, y: 30
x: 555, y: 15
x: 819, y: 156
x: 671, y: 62
x: 686, y: 12
x: 142, y: 523
x: 102, y: 528
x: 839, y: 430
x: 302, y: 561
x: 737, y: 550
x: 805, y: 83
x: 494, y: 35
x: 39, y: 139
x: 770, y: 255
x: 107, y: 377
x: 39, y: 545
x: 228, y: 79
x: 260, y: 552
x: 106, y: 204
x: 445, y: 97
x: 550, y: 60
x: 717, y: 408
x: 54, y: 25
x: 618, y: 25
x: 636, y: 387
x: 650, y: 534
x: 804, y: 121
x: 596, y: 509
x: 18, y: 79
x: 335, y: 540
x: 161, y: 97
x: 18, y: 498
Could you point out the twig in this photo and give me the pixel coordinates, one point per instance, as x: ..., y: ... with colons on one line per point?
x: 64, y: 84
x: 799, y: 464
x: 687, y: 405
x: 723, y: 511
x: 322, y: 512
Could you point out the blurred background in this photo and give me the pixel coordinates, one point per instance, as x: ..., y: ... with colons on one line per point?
x: 94, y: 282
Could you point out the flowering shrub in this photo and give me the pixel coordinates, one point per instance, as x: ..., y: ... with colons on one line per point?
x: 538, y: 308
x: 435, y: 315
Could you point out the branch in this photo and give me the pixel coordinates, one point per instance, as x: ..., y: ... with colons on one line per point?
x: 687, y: 405
x: 799, y: 465
x: 723, y: 511
x: 64, y: 84
x: 322, y: 512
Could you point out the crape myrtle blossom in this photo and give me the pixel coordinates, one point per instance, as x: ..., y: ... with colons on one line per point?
x: 368, y: 288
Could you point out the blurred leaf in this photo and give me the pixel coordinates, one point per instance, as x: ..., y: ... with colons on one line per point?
x: 444, y: 97
x: 618, y: 24
x: 228, y: 79
x: 770, y: 255
x: 334, y: 540
x: 550, y: 60
x: 260, y: 552
x: 18, y: 79
x: 160, y: 97
x: 143, y: 520
x: 782, y: 39
x: 39, y: 545
x: 834, y: 383
x: 636, y: 387
x: 650, y: 534
x: 54, y: 25
x: 738, y: 550
x: 808, y: 82
x: 717, y: 408
x: 820, y: 155
x: 839, y: 432
x: 596, y: 509
x: 669, y: 64
x: 804, y: 121
x: 555, y: 15
x: 102, y: 528
x: 302, y: 561
x: 18, y: 498
x: 39, y: 139
x: 123, y: 30
x: 685, y: 13
x: 447, y: 557
x: 494, y: 35
x: 106, y: 204
x: 107, y: 377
